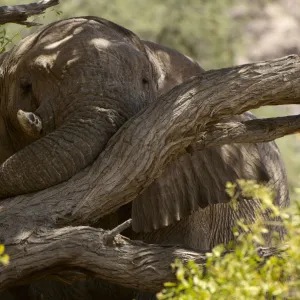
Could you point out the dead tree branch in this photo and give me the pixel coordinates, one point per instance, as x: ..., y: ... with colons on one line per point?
x: 20, y: 13
x: 196, y: 104
x: 133, y: 158
x: 84, y: 249
x: 252, y: 131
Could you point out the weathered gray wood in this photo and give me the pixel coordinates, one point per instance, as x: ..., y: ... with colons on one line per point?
x: 253, y: 131
x: 129, y: 263
x: 133, y: 158
x: 164, y: 130
x: 20, y: 13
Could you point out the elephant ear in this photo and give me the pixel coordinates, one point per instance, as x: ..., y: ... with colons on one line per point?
x: 171, y: 66
x: 199, y: 180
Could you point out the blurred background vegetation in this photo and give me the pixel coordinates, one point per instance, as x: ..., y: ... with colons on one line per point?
x: 216, y: 33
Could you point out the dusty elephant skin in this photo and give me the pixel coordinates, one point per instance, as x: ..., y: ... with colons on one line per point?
x: 84, y: 78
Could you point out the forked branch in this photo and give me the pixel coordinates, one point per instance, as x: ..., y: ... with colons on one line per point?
x: 137, y: 154
x: 20, y: 13
x: 165, y: 129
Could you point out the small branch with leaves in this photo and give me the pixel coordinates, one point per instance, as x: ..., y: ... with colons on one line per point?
x: 20, y: 13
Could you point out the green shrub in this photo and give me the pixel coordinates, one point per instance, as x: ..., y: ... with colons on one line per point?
x: 4, y: 40
x: 4, y: 258
x: 239, y: 272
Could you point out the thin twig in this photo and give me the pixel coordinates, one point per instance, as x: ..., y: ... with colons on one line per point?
x: 109, y: 236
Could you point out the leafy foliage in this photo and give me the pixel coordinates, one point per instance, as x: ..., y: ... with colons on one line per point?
x: 4, y: 40
x: 4, y: 258
x: 238, y: 271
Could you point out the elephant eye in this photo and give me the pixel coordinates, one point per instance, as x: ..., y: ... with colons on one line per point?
x: 26, y: 85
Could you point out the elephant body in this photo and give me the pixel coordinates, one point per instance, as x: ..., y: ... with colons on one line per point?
x: 186, y: 205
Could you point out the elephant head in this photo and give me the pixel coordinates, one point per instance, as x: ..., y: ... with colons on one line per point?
x: 64, y: 92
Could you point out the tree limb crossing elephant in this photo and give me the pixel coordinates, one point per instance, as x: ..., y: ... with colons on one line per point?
x: 67, y: 89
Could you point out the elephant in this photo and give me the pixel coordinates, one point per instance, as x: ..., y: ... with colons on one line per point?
x: 68, y: 88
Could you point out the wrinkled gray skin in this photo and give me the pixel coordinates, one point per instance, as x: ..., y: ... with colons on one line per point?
x: 104, y: 81
x: 84, y: 79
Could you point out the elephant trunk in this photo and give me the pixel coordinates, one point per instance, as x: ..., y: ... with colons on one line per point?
x: 59, y: 155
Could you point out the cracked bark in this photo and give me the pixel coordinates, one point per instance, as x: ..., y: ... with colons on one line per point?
x: 253, y: 131
x: 83, y: 249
